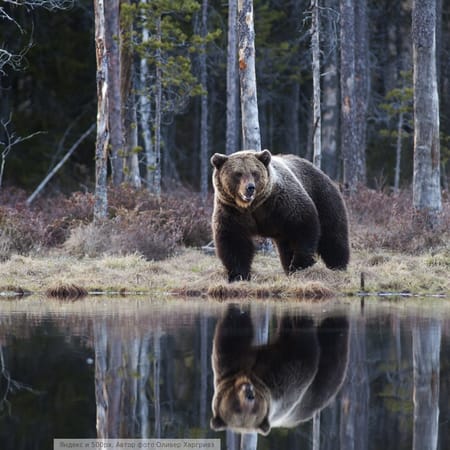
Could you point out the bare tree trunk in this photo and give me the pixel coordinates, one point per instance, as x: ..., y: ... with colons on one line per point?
x: 426, y: 179
x: 112, y: 25
x: 130, y: 165
x: 353, y: 164
x: 232, y: 133
x: 145, y: 115
x: 102, y: 142
x: 330, y: 88
x: 315, y: 47
x: 426, y: 352
x: 362, y: 86
x: 156, y: 188
x: 249, y: 102
x: 204, y: 161
x: 55, y: 169
x: 398, y: 152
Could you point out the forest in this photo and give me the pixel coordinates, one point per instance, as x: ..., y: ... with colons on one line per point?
x: 48, y: 89
x: 174, y: 100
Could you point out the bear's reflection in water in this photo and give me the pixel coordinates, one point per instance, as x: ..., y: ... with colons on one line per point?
x: 279, y: 384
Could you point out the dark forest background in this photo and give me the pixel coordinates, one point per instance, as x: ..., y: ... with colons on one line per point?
x: 53, y: 91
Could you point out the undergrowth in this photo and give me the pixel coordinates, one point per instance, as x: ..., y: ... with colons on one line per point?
x: 140, y: 223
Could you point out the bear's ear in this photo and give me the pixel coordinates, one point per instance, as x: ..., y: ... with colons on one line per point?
x: 217, y: 424
x: 265, y: 156
x: 264, y: 427
x: 218, y: 159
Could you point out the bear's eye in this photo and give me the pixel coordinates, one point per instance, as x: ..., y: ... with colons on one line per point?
x: 238, y: 175
x: 255, y: 176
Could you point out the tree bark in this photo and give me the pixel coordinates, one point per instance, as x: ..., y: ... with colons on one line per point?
x: 130, y: 159
x: 204, y: 162
x: 102, y: 141
x: 315, y: 47
x: 232, y: 133
x: 330, y: 88
x: 145, y: 114
x: 249, y: 102
x: 156, y: 188
x: 426, y: 179
x: 362, y: 86
x: 112, y: 27
x: 353, y: 154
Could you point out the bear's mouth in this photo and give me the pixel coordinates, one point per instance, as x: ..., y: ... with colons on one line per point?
x: 246, y: 198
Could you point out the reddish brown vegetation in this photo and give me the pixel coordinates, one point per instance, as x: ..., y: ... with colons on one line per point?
x: 139, y: 223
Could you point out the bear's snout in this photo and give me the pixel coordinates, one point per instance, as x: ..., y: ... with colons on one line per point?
x: 250, y: 189
x: 248, y: 392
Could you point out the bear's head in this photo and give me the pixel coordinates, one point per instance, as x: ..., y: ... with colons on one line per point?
x: 242, y: 179
x: 242, y: 405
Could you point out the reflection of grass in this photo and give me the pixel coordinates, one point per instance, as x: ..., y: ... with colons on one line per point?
x: 193, y: 273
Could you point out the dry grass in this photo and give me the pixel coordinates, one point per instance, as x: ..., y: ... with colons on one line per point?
x: 143, y: 246
x: 192, y: 273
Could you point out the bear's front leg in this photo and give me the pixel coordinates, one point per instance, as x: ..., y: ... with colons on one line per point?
x: 235, y: 249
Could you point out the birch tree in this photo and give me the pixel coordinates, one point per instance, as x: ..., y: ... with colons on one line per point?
x: 426, y: 178
x: 102, y: 140
x: 251, y: 136
x: 232, y: 134
x: 330, y: 88
x: 315, y: 47
x: 204, y: 151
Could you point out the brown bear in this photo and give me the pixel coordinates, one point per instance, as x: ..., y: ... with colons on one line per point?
x: 279, y: 384
x: 282, y: 197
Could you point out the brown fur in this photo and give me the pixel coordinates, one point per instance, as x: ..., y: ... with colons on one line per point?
x: 279, y: 384
x: 284, y: 198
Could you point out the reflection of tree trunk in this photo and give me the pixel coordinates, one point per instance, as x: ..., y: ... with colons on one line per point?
x: 156, y: 381
x: 316, y: 431
x: 260, y: 319
x: 144, y: 373
x: 426, y: 349
x: 355, y: 393
x: 203, y: 370
x: 101, y: 395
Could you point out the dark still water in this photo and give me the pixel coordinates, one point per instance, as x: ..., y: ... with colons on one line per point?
x: 372, y: 378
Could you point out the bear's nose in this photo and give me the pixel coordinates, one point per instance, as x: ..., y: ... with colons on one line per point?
x: 249, y: 392
x: 250, y: 189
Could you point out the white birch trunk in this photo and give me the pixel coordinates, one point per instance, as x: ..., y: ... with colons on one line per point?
x: 426, y: 179
x: 247, y: 74
x: 232, y: 134
x: 204, y: 161
x: 315, y: 47
x: 102, y: 141
x: 145, y: 116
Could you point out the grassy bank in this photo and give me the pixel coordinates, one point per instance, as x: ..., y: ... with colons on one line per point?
x: 193, y: 273
x: 150, y: 245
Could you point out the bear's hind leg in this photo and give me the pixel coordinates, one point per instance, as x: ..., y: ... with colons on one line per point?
x: 294, y: 259
x: 334, y: 252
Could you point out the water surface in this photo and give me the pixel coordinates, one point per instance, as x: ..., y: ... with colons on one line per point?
x: 141, y: 368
